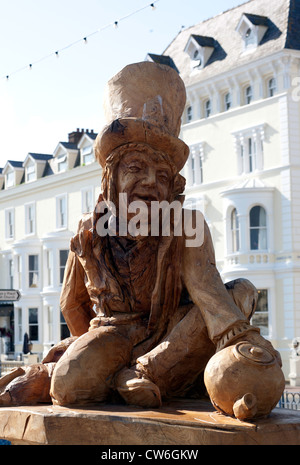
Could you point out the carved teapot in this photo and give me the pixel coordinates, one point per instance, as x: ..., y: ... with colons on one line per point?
x: 244, y: 381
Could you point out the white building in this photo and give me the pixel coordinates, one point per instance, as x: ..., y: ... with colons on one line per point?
x: 242, y: 123
x: 41, y: 203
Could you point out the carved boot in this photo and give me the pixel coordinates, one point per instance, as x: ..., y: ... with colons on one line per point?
x: 136, y: 389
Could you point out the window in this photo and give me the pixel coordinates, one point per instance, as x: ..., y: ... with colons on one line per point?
x: 194, y: 167
x: 87, y: 200
x: 30, y: 173
x: 63, y: 257
x: 251, y: 154
x: 258, y: 228
x: 248, y: 95
x: 87, y: 155
x: 260, y: 318
x: 64, y: 330
x: 62, y: 163
x: 33, y: 270
x: 11, y: 273
x: 249, y: 37
x: 272, y: 87
x: 50, y: 323
x: 49, y: 261
x: 19, y: 325
x: 248, y: 155
x: 250, y: 148
x: 19, y: 272
x: 227, y: 101
x: 207, y: 107
x: 10, y: 179
x: 33, y: 324
x: 10, y: 224
x: 189, y: 114
x: 61, y: 211
x: 235, y: 233
x: 30, y: 218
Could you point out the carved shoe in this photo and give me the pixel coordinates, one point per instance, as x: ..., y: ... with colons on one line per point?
x: 137, y: 390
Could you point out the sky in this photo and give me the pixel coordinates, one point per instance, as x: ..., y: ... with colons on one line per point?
x: 42, y: 103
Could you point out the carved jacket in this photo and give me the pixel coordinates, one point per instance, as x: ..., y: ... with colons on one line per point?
x: 116, y: 279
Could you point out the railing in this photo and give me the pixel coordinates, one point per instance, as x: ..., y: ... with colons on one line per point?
x: 290, y: 400
x: 8, y: 365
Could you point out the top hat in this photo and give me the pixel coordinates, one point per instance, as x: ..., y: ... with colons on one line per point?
x: 143, y: 103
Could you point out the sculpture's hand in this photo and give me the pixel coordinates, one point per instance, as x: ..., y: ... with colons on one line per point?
x: 58, y: 350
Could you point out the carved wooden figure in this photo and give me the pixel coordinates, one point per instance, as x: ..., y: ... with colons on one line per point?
x: 147, y: 309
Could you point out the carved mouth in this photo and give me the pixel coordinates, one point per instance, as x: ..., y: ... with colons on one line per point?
x: 147, y: 198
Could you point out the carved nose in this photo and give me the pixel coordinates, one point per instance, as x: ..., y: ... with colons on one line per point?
x: 149, y: 178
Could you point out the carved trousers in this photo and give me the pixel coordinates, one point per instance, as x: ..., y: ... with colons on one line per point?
x: 86, y: 371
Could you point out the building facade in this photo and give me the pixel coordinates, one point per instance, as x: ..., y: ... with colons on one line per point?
x: 41, y: 202
x: 242, y: 124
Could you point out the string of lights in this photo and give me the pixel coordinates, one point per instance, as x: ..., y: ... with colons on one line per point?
x: 83, y: 39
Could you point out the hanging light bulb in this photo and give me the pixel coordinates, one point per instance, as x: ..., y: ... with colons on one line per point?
x: 153, y: 7
x: 57, y: 54
x: 115, y: 24
x: 85, y: 40
x: 30, y: 66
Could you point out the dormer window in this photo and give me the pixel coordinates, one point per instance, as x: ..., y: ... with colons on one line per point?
x: 30, y: 173
x: 252, y: 29
x: 87, y: 154
x: 249, y: 37
x: 13, y: 172
x: 62, y: 162
x: 10, y: 179
x: 199, y: 49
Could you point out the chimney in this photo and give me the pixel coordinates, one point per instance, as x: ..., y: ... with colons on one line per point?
x: 75, y: 136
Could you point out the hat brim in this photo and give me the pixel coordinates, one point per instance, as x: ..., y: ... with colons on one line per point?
x: 126, y: 130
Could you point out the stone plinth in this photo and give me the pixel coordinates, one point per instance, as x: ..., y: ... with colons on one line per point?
x: 180, y: 422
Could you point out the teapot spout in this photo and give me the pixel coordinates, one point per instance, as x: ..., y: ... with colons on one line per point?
x: 246, y: 407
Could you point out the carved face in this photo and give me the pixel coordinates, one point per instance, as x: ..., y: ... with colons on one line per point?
x: 144, y: 176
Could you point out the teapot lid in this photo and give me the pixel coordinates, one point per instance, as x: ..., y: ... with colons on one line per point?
x: 253, y: 353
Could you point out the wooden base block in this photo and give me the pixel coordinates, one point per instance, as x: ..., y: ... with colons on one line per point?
x: 179, y: 422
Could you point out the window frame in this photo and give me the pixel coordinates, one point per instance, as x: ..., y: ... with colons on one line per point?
x: 262, y: 312
x: 259, y: 228
x: 30, y: 173
x: 62, y: 266
x: 272, y: 89
x: 227, y: 101
x: 61, y: 217
x: 248, y: 94
x: 207, y: 108
x: 33, y: 324
x: 9, y: 223
x: 189, y: 114
x: 33, y: 271
x: 30, y: 218
x: 235, y: 242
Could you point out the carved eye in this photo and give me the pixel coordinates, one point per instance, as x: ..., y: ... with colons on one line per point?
x: 163, y: 177
x: 134, y: 168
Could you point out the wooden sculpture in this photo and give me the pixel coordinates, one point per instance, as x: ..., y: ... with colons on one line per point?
x: 149, y: 313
